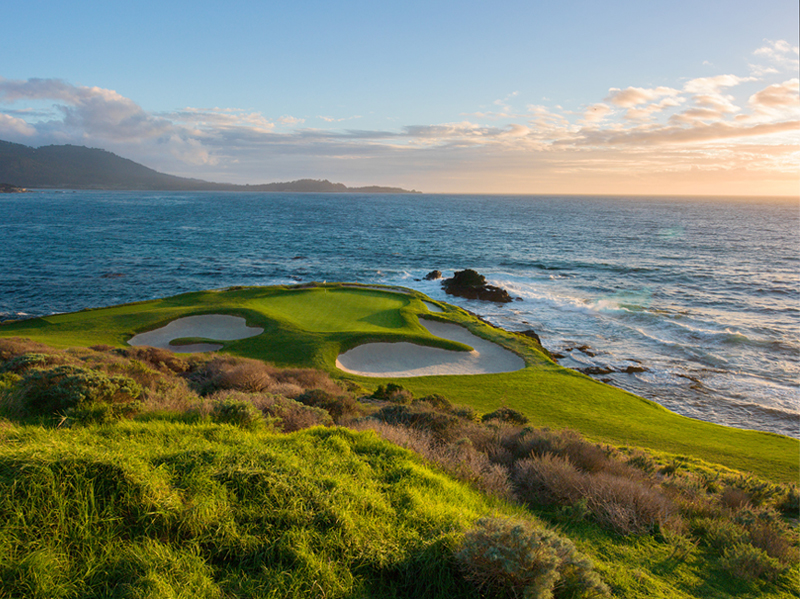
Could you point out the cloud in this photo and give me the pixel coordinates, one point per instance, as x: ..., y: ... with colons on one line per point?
x: 633, y: 96
x: 14, y: 128
x: 290, y: 120
x: 675, y: 134
x: 780, y: 52
x: 596, y: 113
x: 777, y: 96
x: 648, y: 112
x: 89, y: 111
x: 713, y: 85
x: 203, y: 119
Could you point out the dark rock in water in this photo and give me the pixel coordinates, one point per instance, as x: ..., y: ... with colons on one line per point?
x: 471, y: 285
x: 532, y: 334
x: 586, y: 350
x: 595, y: 370
x: 434, y: 275
x: 634, y: 369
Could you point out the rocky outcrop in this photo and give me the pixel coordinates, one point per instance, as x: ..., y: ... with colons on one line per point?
x: 434, y: 275
x: 6, y: 188
x: 471, y: 285
x: 532, y: 334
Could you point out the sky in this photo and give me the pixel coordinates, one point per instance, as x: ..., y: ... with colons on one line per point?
x: 689, y: 97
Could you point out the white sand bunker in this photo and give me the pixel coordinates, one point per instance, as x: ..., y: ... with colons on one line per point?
x: 408, y: 359
x: 432, y: 307
x: 209, y: 326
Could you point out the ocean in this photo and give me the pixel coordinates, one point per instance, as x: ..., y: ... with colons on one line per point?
x: 691, y: 302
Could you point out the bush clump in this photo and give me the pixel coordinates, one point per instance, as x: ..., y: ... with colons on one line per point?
x: 507, y: 415
x: 25, y: 362
x: 436, y: 401
x: 285, y: 414
x: 63, y: 388
x: 443, y: 427
x: 237, y: 412
x: 394, y: 393
x: 623, y: 504
x: 751, y: 563
x: 512, y: 558
x: 340, y: 407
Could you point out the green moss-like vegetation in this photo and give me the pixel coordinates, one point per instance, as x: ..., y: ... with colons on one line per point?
x: 311, y: 325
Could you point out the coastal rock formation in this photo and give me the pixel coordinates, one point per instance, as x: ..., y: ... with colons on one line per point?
x: 532, y: 334
x: 434, y: 275
x: 7, y: 188
x: 471, y: 285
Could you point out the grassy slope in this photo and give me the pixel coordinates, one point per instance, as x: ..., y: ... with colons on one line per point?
x: 310, y: 327
x: 160, y: 509
x: 163, y: 509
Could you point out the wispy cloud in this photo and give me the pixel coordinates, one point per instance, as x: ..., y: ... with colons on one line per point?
x: 633, y: 96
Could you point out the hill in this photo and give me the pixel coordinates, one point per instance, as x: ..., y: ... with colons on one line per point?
x: 79, y: 167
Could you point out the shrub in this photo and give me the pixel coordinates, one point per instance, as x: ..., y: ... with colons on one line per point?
x: 623, y: 505
x: 466, y: 413
x: 734, y: 498
x: 248, y: 375
x: 567, y: 443
x: 751, y: 563
x: 627, y: 506
x: 719, y: 532
x: 508, y: 415
x: 56, y: 390
x: 547, y: 480
x: 394, y: 393
x: 788, y: 503
x: 20, y: 364
x: 101, y: 413
x: 772, y: 541
x: 443, y: 427
x: 237, y: 412
x: 340, y: 407
x: 307, y: 378
x: 158, y: 358
x: 286, y: 414
x: 436, y: 401
x: 508, y: 558
x: 11, y: 347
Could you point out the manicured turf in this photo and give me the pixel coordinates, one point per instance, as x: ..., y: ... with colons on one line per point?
x: 311, y: 326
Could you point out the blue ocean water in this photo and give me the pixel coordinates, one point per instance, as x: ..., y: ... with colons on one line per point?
x: 702, y: 295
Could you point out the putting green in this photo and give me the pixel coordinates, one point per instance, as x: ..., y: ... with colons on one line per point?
x: 312, y: 326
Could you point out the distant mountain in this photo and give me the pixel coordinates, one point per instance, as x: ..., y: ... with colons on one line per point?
x: 78, y: 167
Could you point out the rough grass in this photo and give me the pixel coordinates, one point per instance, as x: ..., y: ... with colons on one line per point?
x: 168, y: 509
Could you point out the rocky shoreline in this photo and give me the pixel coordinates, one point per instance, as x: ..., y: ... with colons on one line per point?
x: 8, y: 188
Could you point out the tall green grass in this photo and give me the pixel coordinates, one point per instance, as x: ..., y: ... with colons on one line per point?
x: 168, y: 509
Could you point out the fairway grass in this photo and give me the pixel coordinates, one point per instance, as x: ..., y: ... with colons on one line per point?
x: 310, y: 326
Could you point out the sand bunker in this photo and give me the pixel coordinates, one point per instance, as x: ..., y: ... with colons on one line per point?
x: 408, y: 359
x: 209, y: 326
x: 432, y: 307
